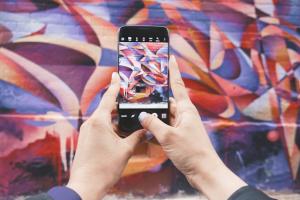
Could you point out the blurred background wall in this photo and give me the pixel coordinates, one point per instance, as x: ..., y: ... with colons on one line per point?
x: 239, y: 59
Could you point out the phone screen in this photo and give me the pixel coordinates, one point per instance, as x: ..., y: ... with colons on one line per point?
x: 143, y: 69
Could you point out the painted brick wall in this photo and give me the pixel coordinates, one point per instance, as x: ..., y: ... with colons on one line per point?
x: 239, y: 60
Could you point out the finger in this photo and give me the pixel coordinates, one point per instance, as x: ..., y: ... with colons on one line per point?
x: 173, y: 111
x: 115, y: 109
x: 114, y: 114
x: 177, y: 83
x: 107, y: 103
x: 135, y: 138
x: 173, y: 108
x: 154, y: 125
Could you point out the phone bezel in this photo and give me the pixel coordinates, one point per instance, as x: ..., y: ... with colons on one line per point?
x: 145, y: 31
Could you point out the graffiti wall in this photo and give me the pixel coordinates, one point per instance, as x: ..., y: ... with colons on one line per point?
x: 239, y: 59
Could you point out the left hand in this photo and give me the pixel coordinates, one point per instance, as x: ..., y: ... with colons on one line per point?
x: 101, y: 154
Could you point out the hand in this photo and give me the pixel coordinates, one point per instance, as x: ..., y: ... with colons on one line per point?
x: 187, y: 144
x: 101, y: 154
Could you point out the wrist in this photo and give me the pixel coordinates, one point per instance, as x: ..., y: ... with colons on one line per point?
x: 212, y: 175
x: 87, y: 188
x: 205, y: 165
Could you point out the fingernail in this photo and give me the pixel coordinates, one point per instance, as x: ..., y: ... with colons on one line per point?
x: 149, y: 135
x: 142, y: 116
x: 113, y: 77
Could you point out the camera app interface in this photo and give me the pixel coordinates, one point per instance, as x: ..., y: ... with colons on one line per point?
x: 143, y: 69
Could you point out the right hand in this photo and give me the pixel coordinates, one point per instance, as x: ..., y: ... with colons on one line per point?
x: 187, y: 144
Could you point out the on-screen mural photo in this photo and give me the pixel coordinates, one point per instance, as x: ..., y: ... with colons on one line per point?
x: 143, y: 69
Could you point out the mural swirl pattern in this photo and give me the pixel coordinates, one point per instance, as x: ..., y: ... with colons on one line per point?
x: 239, y: 60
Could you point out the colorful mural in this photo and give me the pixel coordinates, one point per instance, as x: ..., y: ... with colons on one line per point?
x: 239, y: 59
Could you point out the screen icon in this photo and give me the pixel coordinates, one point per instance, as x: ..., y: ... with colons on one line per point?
x: 154, y: 114
x: 150, y: 39
x: 129, y: 39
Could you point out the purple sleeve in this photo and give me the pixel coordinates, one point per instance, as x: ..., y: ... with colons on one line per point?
x: 63, y: 193
x: 249, y: 193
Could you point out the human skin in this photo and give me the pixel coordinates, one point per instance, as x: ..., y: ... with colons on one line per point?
x: 187, y: 144
x: 101, y: 154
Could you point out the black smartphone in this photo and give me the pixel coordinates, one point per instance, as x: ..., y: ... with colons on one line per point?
x: 143, y: 57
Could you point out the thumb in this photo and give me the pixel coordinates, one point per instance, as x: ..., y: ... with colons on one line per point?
x: 154, y: 125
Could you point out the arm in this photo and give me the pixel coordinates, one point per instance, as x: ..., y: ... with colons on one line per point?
x: 98, y: 164
x: 191, y: 151
x: 187, y: 144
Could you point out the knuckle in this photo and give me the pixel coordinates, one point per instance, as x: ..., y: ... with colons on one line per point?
x: 148, y: 121
x: 94, y: 123
x: 109, y: 95
x: 189, y: 106
x: 179, y: 82
x: 113, y: 88
x: 104, y: 115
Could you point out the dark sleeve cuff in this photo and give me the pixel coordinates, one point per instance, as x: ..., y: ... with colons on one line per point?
x: 63, y: 193
x: 249, y: 193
